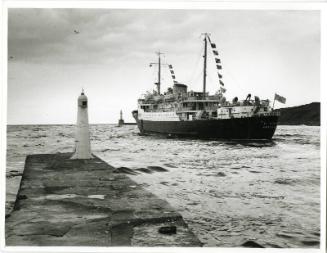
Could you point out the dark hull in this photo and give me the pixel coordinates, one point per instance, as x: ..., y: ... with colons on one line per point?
x: 253, y: 128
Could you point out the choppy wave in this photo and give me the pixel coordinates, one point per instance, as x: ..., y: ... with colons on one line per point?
x: 231, y: 193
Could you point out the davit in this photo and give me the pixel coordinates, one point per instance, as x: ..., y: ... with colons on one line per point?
x: 82, y: 134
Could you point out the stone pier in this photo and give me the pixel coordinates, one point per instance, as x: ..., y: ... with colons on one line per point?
x: 65, y: 202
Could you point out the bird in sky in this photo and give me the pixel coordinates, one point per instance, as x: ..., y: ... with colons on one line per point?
x: 76, y: 32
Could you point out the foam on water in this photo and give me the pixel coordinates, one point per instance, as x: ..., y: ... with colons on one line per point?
x: 230, y: 193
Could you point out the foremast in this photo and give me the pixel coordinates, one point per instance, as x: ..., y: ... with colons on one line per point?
x: 158, y: 83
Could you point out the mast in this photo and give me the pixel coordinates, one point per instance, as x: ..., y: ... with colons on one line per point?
x: 205, y: 65
x: 159, y: 72
x: 158, y: 83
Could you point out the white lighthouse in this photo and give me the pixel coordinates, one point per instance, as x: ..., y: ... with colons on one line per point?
x: 82, y: 134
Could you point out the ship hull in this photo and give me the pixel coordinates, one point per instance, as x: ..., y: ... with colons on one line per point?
x: 260, y: 128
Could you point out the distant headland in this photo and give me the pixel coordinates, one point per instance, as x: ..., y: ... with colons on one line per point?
x: 308, y: 114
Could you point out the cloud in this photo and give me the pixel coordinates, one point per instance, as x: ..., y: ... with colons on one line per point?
x: 262, y: 51
x: 47, y: 34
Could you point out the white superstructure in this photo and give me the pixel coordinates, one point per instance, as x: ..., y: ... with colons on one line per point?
x: 187, y: 109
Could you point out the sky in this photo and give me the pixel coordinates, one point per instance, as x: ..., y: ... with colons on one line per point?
x: 263, y: 52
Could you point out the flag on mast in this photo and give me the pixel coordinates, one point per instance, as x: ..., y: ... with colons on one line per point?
x: 280, y: 98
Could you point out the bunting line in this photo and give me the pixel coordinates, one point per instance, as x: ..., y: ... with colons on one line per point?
x: 172, y: 73
x: 218, y: 62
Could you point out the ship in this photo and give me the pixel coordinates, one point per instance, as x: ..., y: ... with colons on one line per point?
x: 183, y: 113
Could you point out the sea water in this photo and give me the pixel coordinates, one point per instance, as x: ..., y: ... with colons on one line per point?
x: 228, y: 192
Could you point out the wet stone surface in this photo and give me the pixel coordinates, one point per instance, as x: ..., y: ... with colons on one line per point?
x: 63, y: 202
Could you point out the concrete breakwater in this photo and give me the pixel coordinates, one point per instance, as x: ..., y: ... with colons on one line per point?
x: 64, y: 202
